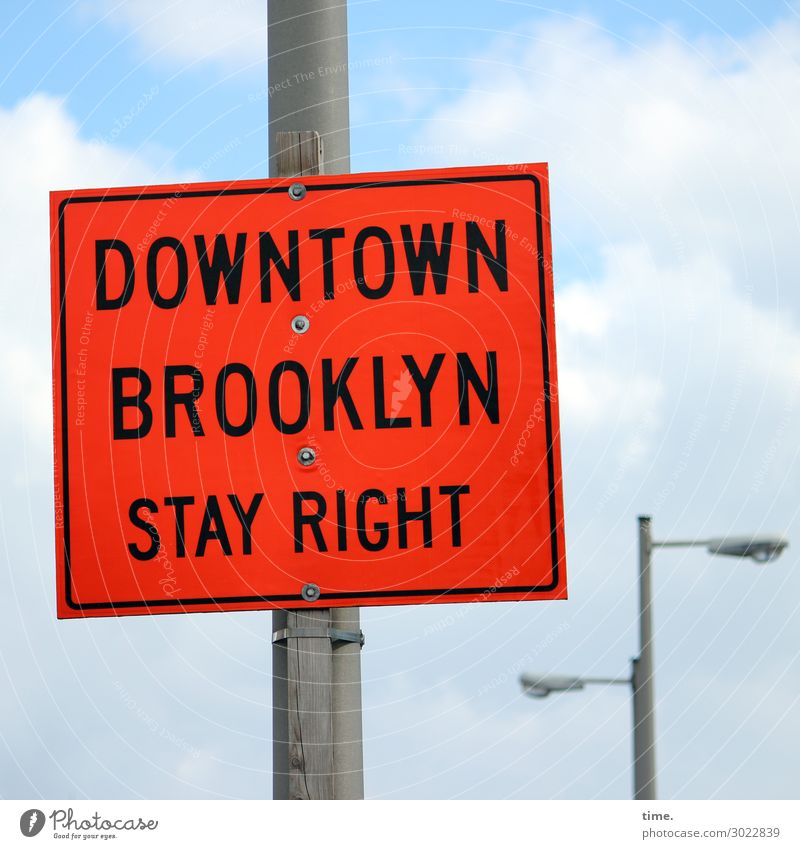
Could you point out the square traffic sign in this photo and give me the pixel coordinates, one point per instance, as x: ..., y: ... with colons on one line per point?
x: 336, y: 390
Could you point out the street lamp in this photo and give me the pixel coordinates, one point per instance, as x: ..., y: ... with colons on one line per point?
x: 760, y: 549
x: 540, y: 686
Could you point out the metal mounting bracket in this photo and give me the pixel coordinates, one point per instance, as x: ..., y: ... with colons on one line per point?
x: 332, y: 634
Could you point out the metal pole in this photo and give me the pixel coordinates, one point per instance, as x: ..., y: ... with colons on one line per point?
x: 348, y: 750
x: 316, y: 686
x: 308, y: 76
x: 644, y: 737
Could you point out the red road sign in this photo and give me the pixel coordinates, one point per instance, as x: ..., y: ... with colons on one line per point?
x: 350, y: 386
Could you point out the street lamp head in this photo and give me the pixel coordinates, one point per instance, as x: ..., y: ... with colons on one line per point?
x: 540, y: 686
x: 761, y: 549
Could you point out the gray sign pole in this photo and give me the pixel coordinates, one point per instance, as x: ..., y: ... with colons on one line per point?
x: 644, y: 731
x: 308, y: 76
x: 316, y: 654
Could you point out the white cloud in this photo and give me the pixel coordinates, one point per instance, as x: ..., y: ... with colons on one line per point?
x: 673, y: 177
x: 688, y: 147
x: 63, y: 718
x: 41, y: 150
x: 674, y: 170
x: 229, y: 31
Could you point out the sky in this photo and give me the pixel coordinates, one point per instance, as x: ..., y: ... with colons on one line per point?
x: 671, y: 131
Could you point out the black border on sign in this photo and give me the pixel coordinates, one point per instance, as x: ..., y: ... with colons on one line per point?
x: 179, y: 604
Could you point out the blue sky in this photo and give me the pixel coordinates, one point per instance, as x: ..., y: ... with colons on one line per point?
x: 671, y: 133
x: 84, y: 52
x: 104, y: 61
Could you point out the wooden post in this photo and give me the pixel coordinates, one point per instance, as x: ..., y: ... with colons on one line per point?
x: 298, y: 153
x: 309, y: 88
x: 317, y: 750
x: 303, y: 711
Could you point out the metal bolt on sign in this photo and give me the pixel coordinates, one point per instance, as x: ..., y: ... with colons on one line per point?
x: 300, y: 324
x: 297, y: 191
x: 306, y: 456
x: 310, y: 592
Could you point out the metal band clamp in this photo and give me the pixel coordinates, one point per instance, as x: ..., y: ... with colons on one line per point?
x: 332, y: 634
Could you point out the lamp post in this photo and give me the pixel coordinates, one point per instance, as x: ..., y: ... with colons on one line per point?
x: 644, y: 723
x: 760, y: 549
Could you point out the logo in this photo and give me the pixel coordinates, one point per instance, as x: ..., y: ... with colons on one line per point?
x: 31, y: 822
